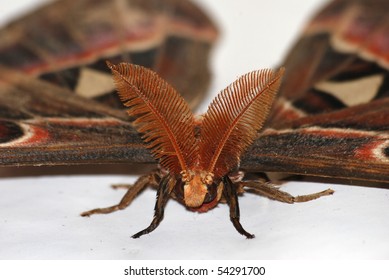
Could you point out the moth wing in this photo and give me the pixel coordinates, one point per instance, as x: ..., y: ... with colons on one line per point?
x: 67, y: 43
x: 331, y: 119
x: 351, y: 143
x: 339, y: 61
x: 43, y: 124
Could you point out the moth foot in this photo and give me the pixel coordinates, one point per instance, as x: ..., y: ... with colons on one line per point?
x: 240, y: 229
x: 106, y: 210
x: 122, y: 186
x: 308, y: 197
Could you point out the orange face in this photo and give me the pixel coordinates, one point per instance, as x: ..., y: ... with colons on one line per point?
x: 200, y: 191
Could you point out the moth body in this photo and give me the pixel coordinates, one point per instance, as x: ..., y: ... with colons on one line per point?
x: 197, y: 153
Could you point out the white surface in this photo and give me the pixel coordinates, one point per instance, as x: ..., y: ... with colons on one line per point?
x: 39, y: 216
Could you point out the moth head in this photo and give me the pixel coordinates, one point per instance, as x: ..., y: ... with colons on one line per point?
x: 200, y: 190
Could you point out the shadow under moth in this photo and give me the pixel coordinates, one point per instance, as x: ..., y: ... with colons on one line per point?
x: 330, y: 117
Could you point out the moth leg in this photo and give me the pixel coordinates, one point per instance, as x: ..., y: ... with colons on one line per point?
x: 122, y: 186
x: 271, y: 191
x: 137, y: 187
x: 230, y: 194
x: 165, y: 188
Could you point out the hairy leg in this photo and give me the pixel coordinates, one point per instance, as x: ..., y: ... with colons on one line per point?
x: 231, y: 196
x: 165, y: 188
x: 133, y: 190
x: 272, y: 191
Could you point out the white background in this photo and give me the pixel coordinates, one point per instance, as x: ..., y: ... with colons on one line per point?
x: 39, y: 216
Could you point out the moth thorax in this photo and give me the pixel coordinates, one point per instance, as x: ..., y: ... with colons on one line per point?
x: 196, y: 187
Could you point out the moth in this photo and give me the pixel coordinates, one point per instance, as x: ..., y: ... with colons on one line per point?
x: 197, y: 159
x: 329, y: 119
